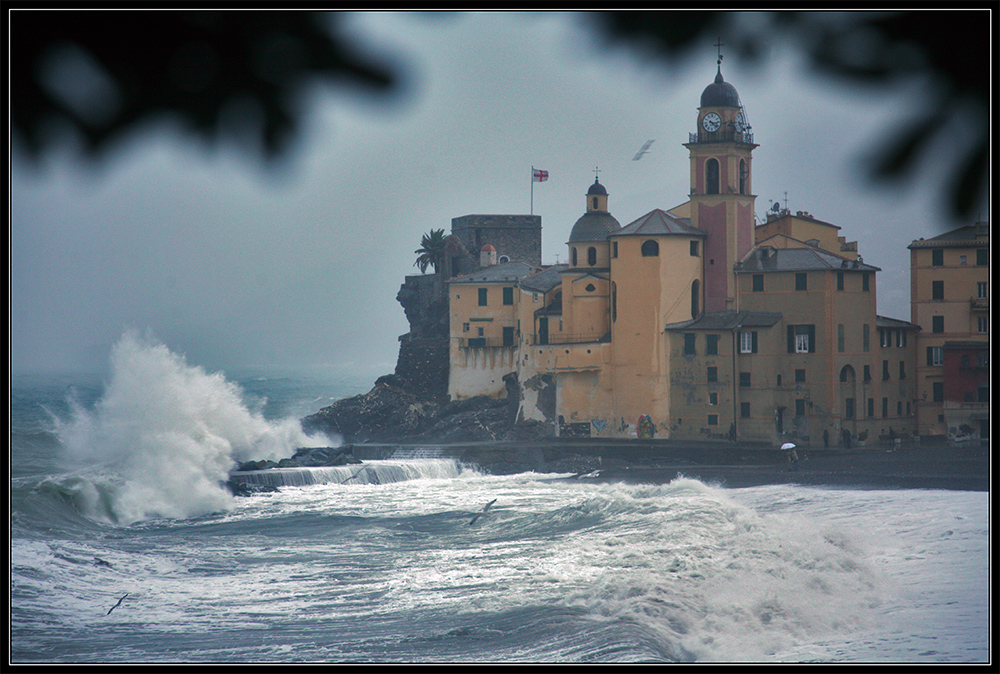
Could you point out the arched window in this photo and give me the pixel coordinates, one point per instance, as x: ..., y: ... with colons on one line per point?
x: 712, y: 176
x: 502, y: 259
x: 595, y: 203
x: 743, y: 176
x: 591, y: 256
x: 650, y: 248
x: 573, y: 255
x: 695, y: 297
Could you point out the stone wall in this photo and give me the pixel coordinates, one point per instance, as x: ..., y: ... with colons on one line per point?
x: 422, y: 366
x: 519, y: 237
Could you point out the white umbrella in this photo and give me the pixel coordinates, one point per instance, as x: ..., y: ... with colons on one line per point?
x: 788, y: 445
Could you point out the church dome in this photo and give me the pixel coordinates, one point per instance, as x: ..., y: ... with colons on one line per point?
x: 594, y: 226
x: 720, y: 93
x: 597, y: 188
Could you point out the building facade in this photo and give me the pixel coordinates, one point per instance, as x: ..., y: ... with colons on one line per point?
x: 950, y: 299
x: 697, y: 323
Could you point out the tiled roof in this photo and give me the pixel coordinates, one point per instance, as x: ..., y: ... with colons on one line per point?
x: 545, y: 280
x: 729, y: 320
x: 659, y: 222
x: 507, y: 272
x: 798, y: 259
x: 963, y: 236
x: 886, y: 322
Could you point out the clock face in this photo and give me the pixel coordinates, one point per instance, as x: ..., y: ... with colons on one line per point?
x: 711, y: 122
x: 741, y: 122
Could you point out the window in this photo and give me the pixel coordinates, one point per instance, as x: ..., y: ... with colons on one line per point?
x: 902, y: 369
x: 594, y: 202
x: 983, y: 324
x: 938, y: 391
x: 614, y: 249
x: 694, y: 249
x: 800, y: 376
x: 712, y: 176
x: 871, y: 407
x: 982, y: 290
x: 801, y: 339
x: 937, y: 323
x: 508, y: 296
x: 713, y: 398
x: 777, y: 380
x: 713, y: 419
x: 800, y: 407
x: 758, y: 283
x: 650, y: 248
x: 885, y: 370
x: 937, y: 290
x: 884, y: 338
x: 935, y: 356
x: 695, y: 298
x: 840, y: 280
x: 848, y: 408
x: 711, y: 345
x: 590, y: 288
x: 937, y: 258
x: 865, y: 337
x: 572, y: 255
x: 591, y: 256
x: 465, y: 327
x: 712, y: 374
x: 963, y: 260
x: 689, y: 348
x: 982, y: 257
x: 867, y: 373
x: 480, y: 332
x: 744, y: 379
x: 899, y: 408
x: 744, y: 410
x: 840, y: 337
x: 800, y: 281
x: 508, y: 336
x: 901, y: 338
x: 482, y: 297
x: 866, y: 282
x: 743, y: 176
x: 748, y: 341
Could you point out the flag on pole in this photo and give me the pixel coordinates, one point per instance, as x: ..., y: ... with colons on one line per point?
x: 539, y: 176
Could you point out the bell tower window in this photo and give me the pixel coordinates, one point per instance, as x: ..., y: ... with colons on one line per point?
x: 712, y: 176
x: 743, y: 176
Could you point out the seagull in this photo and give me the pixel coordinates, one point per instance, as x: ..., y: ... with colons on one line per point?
x: 118, y: 604
x: 478, y: 515
x: 643, y: 150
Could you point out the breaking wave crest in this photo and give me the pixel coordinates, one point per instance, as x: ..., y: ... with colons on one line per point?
x: 161, y: 440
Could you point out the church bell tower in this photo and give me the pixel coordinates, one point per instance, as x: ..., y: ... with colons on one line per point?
x: 722, y: 199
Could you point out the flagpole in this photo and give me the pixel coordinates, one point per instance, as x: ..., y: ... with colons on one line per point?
x: 532, y: 191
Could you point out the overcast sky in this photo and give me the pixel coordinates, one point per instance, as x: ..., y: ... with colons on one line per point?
x: 236, y: 266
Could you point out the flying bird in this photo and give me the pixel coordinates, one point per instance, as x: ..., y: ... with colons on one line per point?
x: 478, y: 515
x: 118, y: 604
x: 643, y: 150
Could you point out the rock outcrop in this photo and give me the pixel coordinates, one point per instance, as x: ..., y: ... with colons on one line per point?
x: 389, y: 413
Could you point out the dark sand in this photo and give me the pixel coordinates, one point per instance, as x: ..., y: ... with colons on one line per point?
x: 927, y: 466
x: 942, y: 467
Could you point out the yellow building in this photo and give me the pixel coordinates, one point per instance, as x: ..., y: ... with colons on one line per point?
x: 694, y: 322
x: 949, y: 299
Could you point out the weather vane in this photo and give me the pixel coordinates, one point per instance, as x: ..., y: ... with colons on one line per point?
x: 719, y: 45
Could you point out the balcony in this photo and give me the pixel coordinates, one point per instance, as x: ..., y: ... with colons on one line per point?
x: 722, y: 136
x: 979, y: 304
x: 483, y: 343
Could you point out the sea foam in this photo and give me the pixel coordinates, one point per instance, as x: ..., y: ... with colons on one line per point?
x: 161, y: 440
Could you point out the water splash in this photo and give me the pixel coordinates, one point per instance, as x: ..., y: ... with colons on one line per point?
x: 163, y: 437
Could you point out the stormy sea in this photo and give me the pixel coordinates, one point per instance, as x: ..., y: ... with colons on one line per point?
x: 125, y: 546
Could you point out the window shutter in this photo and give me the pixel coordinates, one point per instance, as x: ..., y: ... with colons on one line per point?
x: 791, y: 339
x: 753, y: 339
x: 812, y: 339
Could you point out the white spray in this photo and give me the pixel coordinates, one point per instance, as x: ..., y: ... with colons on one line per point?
x: 165, y: 435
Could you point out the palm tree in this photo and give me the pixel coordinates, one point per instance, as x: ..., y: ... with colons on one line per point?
x: 431, y: 251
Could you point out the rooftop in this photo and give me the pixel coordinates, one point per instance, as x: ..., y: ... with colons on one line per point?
x: 545, y: 280
x: 658, y: 222
x: 766, y: 259
x: 508, y: 272
x: 729, y: 320
x: 976, y: 234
